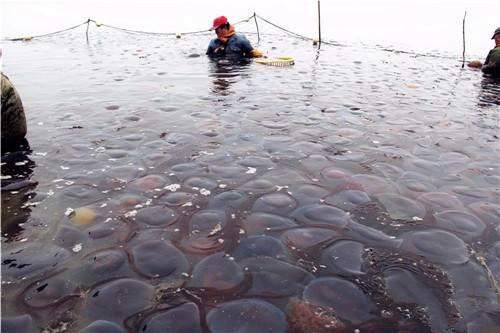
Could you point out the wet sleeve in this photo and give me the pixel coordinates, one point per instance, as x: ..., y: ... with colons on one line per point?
x: 211, y: 48
x: 487, y: 60
x: 245, y: 45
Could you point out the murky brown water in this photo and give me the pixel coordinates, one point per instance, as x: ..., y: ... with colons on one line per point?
x: 356, y: 190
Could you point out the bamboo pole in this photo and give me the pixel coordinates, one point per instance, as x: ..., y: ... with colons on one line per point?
x: 257, y: 25
x: 319, y: 24
x: 463, y: 39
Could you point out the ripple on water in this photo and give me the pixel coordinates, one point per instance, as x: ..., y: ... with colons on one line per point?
x: 184, y: 318
x: 247, y: 316
x: 438, y: 246
x: 348, y: 300
x: 157, y: 258
x: 118, y: 300
x: 217, y: 273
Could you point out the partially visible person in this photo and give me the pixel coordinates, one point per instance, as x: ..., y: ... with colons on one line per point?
x: 229, y: 43
x: 492, y: 62
x: 13, y: 118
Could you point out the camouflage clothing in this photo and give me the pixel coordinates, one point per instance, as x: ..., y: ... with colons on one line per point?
x: 13, y: 118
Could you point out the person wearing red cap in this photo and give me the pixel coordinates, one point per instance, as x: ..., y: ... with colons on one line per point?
x: 229, y: 43
x: 492, y: 62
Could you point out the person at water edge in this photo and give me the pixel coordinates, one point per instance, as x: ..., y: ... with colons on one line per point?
x: 13, y: 118
x: 229, y: 43
x: 492, y: 62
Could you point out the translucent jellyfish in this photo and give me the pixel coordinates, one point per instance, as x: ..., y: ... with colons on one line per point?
x: 333, y: 177
x: 346, y: 299
x: 307, y: 194
x: 348, y: 199
x: 263, y: 223
x: 304, y: 238
x: 184, y: 318
x: 125, y: 173
x: 413, y: 184
x: 103, y: 326
x: 404, y: 287
x: 156, y: 216
x: 401, y: 208
x: 201, y: 182
x: 67, y: 236
x: 22, y: 323
x: 389, y: 171
x: 218, y: 273
x: 488, y: 212
x: 437, y: 246
x: 343, y: 257
x: 230, y: 173
x: 119, y: 299
x: 439, y: 201
x: 275, y: 278
x: 207, y: 222
x: 256, y: 161
x: 373, y: 184
x: 275, y: 203
x: 158, y: 258
x: 468, y: 194
x: 255, y: 246
x: 48, y: 292
x: 321, y: 215
x: 228, y: 200
x: 125, y: 202
x: 148, y: 183
x: 186, y: 170
x: 102, y: 266
x: 32, y: 259
x: 176, y: 199
x: 112, y: 232
x: 246, y: 316
x: 258, y: 186
x: 464, y: 225
x: 78, y: 195
x: 370, y: 236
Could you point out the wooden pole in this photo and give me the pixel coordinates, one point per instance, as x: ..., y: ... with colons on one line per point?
x: 257, y: 25
x: 319, y: 24
x: 463, y: 39
x: 87, y: 32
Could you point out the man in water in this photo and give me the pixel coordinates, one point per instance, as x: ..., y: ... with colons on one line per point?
x: 229, y: 43
x: 492, y: 62
x: 13, y: 118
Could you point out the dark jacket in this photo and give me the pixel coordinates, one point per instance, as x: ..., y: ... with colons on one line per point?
x: 236, y: 46
x: 13, y: 119
x: 492, y: 62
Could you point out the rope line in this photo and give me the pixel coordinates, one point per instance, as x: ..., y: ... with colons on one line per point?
x: 47, y: 34
x: 253, y: 16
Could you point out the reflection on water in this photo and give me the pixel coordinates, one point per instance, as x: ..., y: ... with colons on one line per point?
x: 17, y: 187
x: 353, y: 191
x: 490, y: 91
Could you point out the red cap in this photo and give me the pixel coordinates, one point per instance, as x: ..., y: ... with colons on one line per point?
x: 218, y: 22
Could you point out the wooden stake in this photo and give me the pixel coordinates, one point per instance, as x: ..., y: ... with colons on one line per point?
x: 257, y: 25
x: 319, y: 24
x: 463, y: 39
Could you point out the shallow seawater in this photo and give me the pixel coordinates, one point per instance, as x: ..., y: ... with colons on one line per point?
x: 356, y: 190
